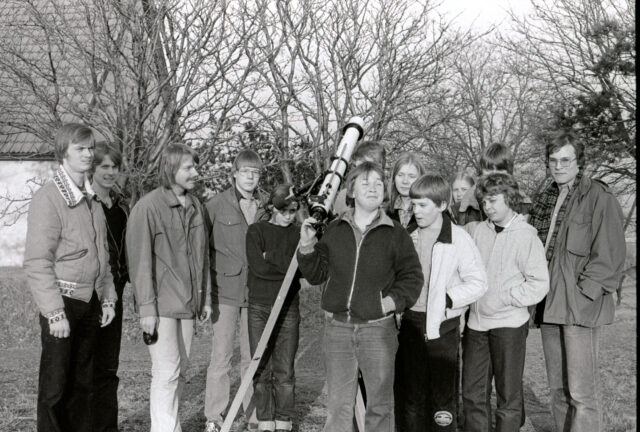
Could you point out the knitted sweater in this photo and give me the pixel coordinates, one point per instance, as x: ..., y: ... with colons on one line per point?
x: 270, y: 249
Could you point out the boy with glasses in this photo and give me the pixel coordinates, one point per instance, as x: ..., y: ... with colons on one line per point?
x: 231, y: 213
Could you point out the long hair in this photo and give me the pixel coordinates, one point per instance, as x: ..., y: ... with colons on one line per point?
x: 171, y: 160
x: 103, y: 149
x: 406, y: 158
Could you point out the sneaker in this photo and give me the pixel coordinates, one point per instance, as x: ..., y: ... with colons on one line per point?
x: 212, y: 427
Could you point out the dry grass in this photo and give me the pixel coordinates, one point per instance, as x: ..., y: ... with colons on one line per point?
x: 19, y: 344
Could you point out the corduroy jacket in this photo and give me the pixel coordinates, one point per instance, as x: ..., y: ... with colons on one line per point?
x: 66, y: 251
x: 359, y: 276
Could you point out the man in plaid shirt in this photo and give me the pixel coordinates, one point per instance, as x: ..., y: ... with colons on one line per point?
x: 580, y: 223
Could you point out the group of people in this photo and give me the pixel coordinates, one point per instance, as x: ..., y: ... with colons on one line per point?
x: 422, y: 279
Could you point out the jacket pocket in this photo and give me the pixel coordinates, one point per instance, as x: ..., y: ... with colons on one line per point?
x: 73, y: 255
x: 492, y: 305
x: 227, y: 266
x: 579, y: 237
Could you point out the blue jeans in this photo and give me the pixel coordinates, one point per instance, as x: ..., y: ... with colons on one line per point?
x: 571, y: 356
x: 502, y: 349
x: 274, y: 381
x: 371, y: 347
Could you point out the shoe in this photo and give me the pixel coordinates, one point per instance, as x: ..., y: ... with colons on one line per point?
x: 212, y: 427
x: 283, y: 426
x: 252, y: 427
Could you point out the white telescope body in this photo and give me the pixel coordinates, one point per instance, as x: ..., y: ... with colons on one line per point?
x: 353, y: 131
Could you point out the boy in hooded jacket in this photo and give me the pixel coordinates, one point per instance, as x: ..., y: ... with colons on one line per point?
x: 498, y: 323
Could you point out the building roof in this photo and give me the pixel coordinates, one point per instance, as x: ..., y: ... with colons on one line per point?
x: 26, y: 102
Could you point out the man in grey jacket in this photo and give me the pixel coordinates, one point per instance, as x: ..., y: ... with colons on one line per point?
x: 169, y: 266
x: 580, y: 223
x: 67, y: 265
x: 231, y: 212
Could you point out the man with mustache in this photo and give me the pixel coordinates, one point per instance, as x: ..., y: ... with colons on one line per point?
x: 169, y: 266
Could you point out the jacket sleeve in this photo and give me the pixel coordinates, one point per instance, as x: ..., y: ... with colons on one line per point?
x: 43, y: 234
x: 533, y: 266
x: 257, y: 257
x: 603, y: 270
x: 211, y: 216
x: 408, y: 279
x: 109, y: 293
x: 471, y: 271
x: 314, y: 265
x: 140, y: 238
x: 206, y: 276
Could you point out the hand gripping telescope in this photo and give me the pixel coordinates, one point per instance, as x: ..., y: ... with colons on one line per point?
x: 319, y: 207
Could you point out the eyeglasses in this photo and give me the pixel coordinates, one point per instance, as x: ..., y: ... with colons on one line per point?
x: 246, y: 171
x: 563, y: 162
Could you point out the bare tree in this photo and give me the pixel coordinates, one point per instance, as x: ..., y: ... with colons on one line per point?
x: 143, y: 73
x: 317, y: 64
x: 493, y: 99
x: 584, y: 51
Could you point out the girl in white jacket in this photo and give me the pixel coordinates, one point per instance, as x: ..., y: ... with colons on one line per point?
x: 498, y: 323
x: 429, y: 335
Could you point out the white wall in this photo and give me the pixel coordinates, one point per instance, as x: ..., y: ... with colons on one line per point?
x: 16, y: 181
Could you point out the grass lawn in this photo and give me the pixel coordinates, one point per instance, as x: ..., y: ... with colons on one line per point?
x: 20, y: 351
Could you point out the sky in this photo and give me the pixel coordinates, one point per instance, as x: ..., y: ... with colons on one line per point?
x: 482, y: 14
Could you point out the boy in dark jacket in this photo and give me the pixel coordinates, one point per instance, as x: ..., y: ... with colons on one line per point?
x: 372, y: 271
x: 270, y: 247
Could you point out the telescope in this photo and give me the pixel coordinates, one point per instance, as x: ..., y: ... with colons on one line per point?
x: 321, y: 203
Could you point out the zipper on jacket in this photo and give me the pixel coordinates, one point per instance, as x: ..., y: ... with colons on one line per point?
x: 355, y: 271
x: 355, y: 268
x: 95, y: 237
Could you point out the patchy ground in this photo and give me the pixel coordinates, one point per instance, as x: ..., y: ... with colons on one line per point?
x: 20, y: 358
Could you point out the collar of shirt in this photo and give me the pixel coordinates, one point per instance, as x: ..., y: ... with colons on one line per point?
x: 69, y: 190
x: 239, y: 196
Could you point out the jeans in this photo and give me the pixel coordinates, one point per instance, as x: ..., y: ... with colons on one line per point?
x: 502, y: 349
x: 571, y: 356
x: 105, y: 368
x: 66, y: 370
x: 169, y: 363
x: 429, y: 371
x: 218, y: 388
x: 274, y: 381
x: 372, y: 348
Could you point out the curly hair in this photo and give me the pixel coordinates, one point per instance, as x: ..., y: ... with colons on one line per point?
x: 499, y: 183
